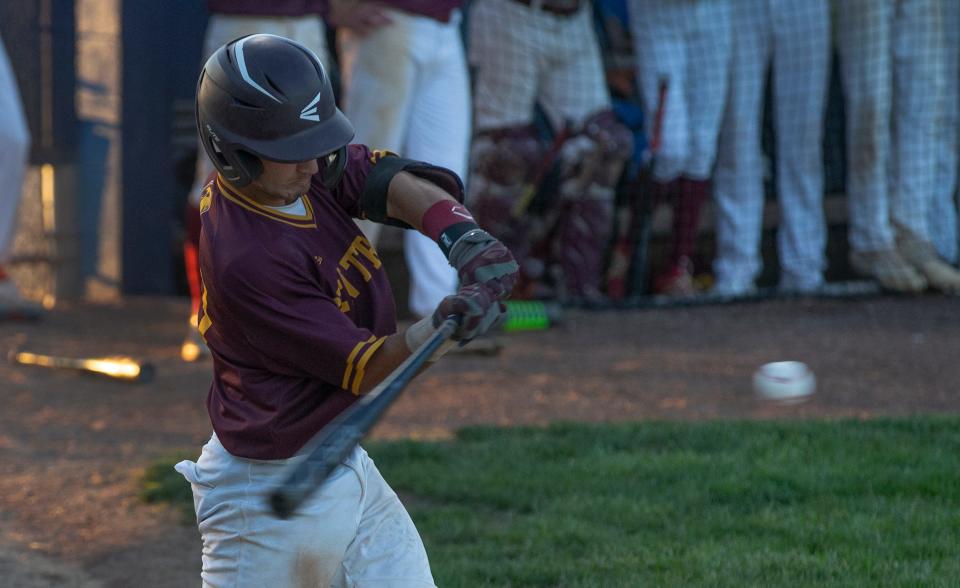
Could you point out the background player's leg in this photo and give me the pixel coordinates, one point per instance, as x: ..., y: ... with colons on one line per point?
x: 801, y: 55
x: 378, y: 81
x: 864, y: 39
x: 575, y: 92
x: 657, y: 29
x: 438, y: 132
x: 738, y: 180
x: 14, y: 149
x: 942, y: 215
x: 708, y: 36
x: 918, y: 60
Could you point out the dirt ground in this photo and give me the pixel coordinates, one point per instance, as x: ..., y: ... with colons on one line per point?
x: 72, y: 446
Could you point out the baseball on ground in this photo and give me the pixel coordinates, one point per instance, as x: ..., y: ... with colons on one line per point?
x: 784, y: 382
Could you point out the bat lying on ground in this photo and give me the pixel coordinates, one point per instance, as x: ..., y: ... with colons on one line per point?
x: 331, y: 445
x: 117, y: 367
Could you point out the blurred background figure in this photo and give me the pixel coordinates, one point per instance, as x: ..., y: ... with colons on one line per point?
x: 687, y: 43
x: 527, y: 53
x: 406, y: 90
x: 14, y: 149
x: 893, y: 67
x: 299, y: 20
x: 795, y: 37
x: 943, y: 214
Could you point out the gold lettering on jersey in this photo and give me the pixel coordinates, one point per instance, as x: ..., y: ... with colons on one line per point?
x: 360, y: 250
x: 343, y: 281
x: 342, y: 304
x: 360, y: 256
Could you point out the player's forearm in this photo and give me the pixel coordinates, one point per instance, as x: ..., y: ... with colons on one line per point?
x: 390, y: 355
x: 409, y: 197
x: 396, y: 349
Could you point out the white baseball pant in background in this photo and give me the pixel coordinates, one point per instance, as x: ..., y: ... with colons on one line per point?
x: 796, y: 35
x: 892, y: 66
x: 528, y: 55
x: 14, y: 149
x: 942, y: 215
x: 406, y: 90
x: 687, y: 42
x: 308, y: 30
x: 353, y: 532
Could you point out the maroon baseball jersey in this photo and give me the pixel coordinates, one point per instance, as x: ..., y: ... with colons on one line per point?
x: 293, y: 308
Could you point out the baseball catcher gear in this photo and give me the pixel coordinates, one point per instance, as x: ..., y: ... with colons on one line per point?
x: 503, y: 160
x: 591, y: 166
x: 267, y: 97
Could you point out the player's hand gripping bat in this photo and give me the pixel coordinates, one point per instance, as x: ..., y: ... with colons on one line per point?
x: 117, y: 367
x: 331, y: 445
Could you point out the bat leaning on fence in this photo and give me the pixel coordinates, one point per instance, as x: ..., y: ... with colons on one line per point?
x: 629, y: 255
x: 330, y: 446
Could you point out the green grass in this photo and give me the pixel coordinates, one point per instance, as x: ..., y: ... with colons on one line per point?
x: 840, y: 503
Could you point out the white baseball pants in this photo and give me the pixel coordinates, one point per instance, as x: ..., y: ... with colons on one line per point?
x: 406, y: 90
x: 688, y: 43
x: 796, y: 36
x: 14, y: 149
x: 524, y: 55
x: 942, y: 215
x: 223, y: 28
x: 892, y: 66
x: 353, y: 532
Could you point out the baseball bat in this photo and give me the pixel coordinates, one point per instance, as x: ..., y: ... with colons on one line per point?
x: 546, y: 162
x: 627, y: 263
x: 330, y: 446
x: 117, y: 367
x: 640, y: 262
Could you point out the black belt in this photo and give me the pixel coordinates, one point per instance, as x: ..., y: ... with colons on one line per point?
x: 560, y: 9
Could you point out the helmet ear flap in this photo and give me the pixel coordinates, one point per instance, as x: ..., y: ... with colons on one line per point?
x: 237, y: 167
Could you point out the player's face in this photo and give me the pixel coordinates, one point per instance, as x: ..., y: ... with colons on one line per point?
x: 285, y: 181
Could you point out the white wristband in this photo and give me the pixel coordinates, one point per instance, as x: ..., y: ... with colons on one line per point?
x: 418, y: 333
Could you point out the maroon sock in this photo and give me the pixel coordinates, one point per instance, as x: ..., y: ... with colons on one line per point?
x: 691, y: 194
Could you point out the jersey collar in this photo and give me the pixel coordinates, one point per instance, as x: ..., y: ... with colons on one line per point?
x: 304, y: 221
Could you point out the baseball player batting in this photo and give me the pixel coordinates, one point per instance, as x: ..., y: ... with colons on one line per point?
x: 300, y: 321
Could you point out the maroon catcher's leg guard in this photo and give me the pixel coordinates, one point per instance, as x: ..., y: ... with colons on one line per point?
x: 580, y: 243
x: 592, y: 162
x: 504, y: 169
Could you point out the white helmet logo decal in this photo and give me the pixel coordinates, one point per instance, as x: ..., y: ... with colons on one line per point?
x: 309, y: 111
x: 242, y: 65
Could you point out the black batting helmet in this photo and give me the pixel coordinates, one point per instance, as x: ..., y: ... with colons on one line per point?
x: 264, y: 96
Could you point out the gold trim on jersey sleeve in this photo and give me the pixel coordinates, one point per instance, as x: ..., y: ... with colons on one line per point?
x: 362, y: 365
x: 348, y: 371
